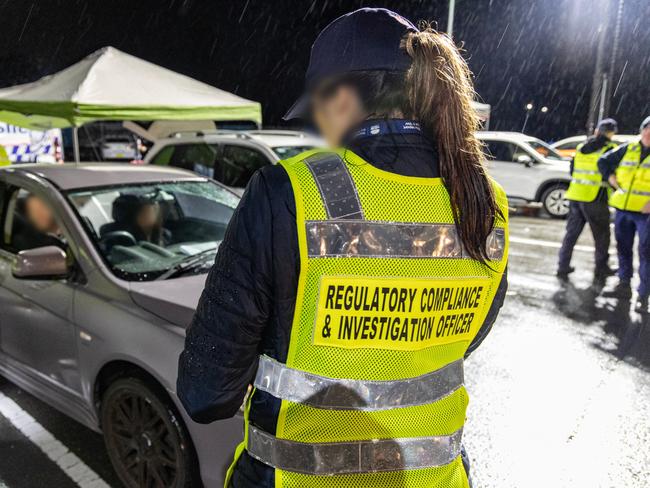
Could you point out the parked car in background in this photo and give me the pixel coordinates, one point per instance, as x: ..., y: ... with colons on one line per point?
x: 119, y: 148
x: 528, y: 169
x: 227, y: 156
x: 101, y: 268
x: 567, y: 147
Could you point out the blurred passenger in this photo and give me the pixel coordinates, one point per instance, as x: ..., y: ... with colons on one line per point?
x: 147, y: 224
x: 588, y: 194
x: 628, y: 170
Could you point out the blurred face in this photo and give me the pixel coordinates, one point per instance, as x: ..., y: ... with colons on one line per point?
x: 336, y: 113
x: 645, y: 136
x: 609, y: 134
x: 40, y: 216
x: 147, y: 217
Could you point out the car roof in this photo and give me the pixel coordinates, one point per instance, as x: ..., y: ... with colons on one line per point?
x: 569, y: 139
x: 268, y: 137
x: 69, y: 176
x: 617, y: 137
x: 505, y: 136
x: 286, y: 138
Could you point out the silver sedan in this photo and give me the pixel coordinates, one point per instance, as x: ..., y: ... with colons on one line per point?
x: 101, y: 268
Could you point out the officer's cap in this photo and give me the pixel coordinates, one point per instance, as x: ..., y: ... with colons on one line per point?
x: 607, y: 125
x: 645, y: 123
x: 367, y: 39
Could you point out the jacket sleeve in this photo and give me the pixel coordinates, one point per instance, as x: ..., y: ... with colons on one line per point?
x: 491, y: 316
x: 223, y: 340
x: 609, y: 161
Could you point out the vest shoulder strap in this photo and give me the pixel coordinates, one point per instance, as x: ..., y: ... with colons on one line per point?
x: 337, y: 190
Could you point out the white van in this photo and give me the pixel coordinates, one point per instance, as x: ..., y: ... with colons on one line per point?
x: 30, y: 146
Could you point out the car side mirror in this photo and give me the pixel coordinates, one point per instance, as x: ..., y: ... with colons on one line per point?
x: 41, y: 263
x: 526, y: 160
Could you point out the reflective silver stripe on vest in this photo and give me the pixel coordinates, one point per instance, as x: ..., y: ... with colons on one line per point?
x: 355, y: 457
x: 586, y: 172
x: 337, y: 190
x: 364, y: 238
x: 298, y: 386
x: 589, y: 182
x: 639, y: 192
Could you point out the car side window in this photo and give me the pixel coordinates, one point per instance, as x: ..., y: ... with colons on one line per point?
x: 164, y: 156
x: 568, y: 145
x: 502, y: 151
x: 199, y: 157
x: 29, y: 223
x: 237, y: 164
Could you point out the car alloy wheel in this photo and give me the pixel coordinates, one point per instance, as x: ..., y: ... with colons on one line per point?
x: 555, y: 202
x: 146, y: 444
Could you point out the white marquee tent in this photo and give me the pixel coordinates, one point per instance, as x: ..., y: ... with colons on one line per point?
x: 112, y: 85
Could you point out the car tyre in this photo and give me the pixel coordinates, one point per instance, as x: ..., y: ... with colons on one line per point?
x: 146, y: 441
x: 555, y: 202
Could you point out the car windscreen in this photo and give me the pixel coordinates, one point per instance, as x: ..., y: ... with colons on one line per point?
x: 286, y: 152
x: 545, y: 150
x: 156, y: 230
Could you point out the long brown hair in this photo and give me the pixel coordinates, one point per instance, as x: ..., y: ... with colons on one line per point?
x: 438, y: 92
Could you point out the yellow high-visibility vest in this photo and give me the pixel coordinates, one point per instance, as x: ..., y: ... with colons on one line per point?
x: 388, y: 303
x: 633, y: 176
x: 586, y: 179
x: 4, y: 157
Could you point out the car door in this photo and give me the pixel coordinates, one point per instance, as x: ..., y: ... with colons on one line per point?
x: 519, y: 178
x: 37, y: 335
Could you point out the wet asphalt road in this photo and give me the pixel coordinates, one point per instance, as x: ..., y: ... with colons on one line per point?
x: 560, y: 389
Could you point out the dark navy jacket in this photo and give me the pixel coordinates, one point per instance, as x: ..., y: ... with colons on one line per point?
x: 247, y: 306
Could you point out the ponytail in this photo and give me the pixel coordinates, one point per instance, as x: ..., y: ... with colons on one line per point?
x: 437, y: 91
x: 439, y: 94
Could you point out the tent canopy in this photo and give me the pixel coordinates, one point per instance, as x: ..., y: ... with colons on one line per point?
x: 112, y: 85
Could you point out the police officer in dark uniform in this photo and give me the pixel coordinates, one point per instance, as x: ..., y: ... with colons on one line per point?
x: 628, y: 172
x: 588, y: 194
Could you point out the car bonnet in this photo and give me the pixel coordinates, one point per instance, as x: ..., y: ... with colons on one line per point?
x: 174, y: 300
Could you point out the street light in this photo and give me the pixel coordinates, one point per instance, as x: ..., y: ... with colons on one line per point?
x: 544, y: 109
x: 450, y: 18
x: 529, y: 107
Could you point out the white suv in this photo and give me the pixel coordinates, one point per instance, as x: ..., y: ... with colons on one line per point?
x: 528, y: 169
x: 230, y: 157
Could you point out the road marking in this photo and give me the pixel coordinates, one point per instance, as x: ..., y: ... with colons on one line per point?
x: 69, y: 463
x: 540, y: 243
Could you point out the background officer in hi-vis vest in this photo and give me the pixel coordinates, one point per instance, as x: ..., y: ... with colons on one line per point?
x: 588, y: 194
x: 352, y: 283
x: 628, y: 170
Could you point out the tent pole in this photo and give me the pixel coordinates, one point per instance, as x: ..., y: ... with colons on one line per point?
x: 75, y: 143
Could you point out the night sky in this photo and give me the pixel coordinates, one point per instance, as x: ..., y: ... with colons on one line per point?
x: 521, y: 51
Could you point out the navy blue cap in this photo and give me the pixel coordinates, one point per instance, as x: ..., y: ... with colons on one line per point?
x: 367, y: 39
x: 607, y: 125
x: 645, y: 123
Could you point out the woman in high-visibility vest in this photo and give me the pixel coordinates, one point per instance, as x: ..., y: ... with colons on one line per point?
x: 352, y: 282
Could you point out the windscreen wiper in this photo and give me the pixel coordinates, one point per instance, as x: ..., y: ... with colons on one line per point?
x: 190, y: 262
